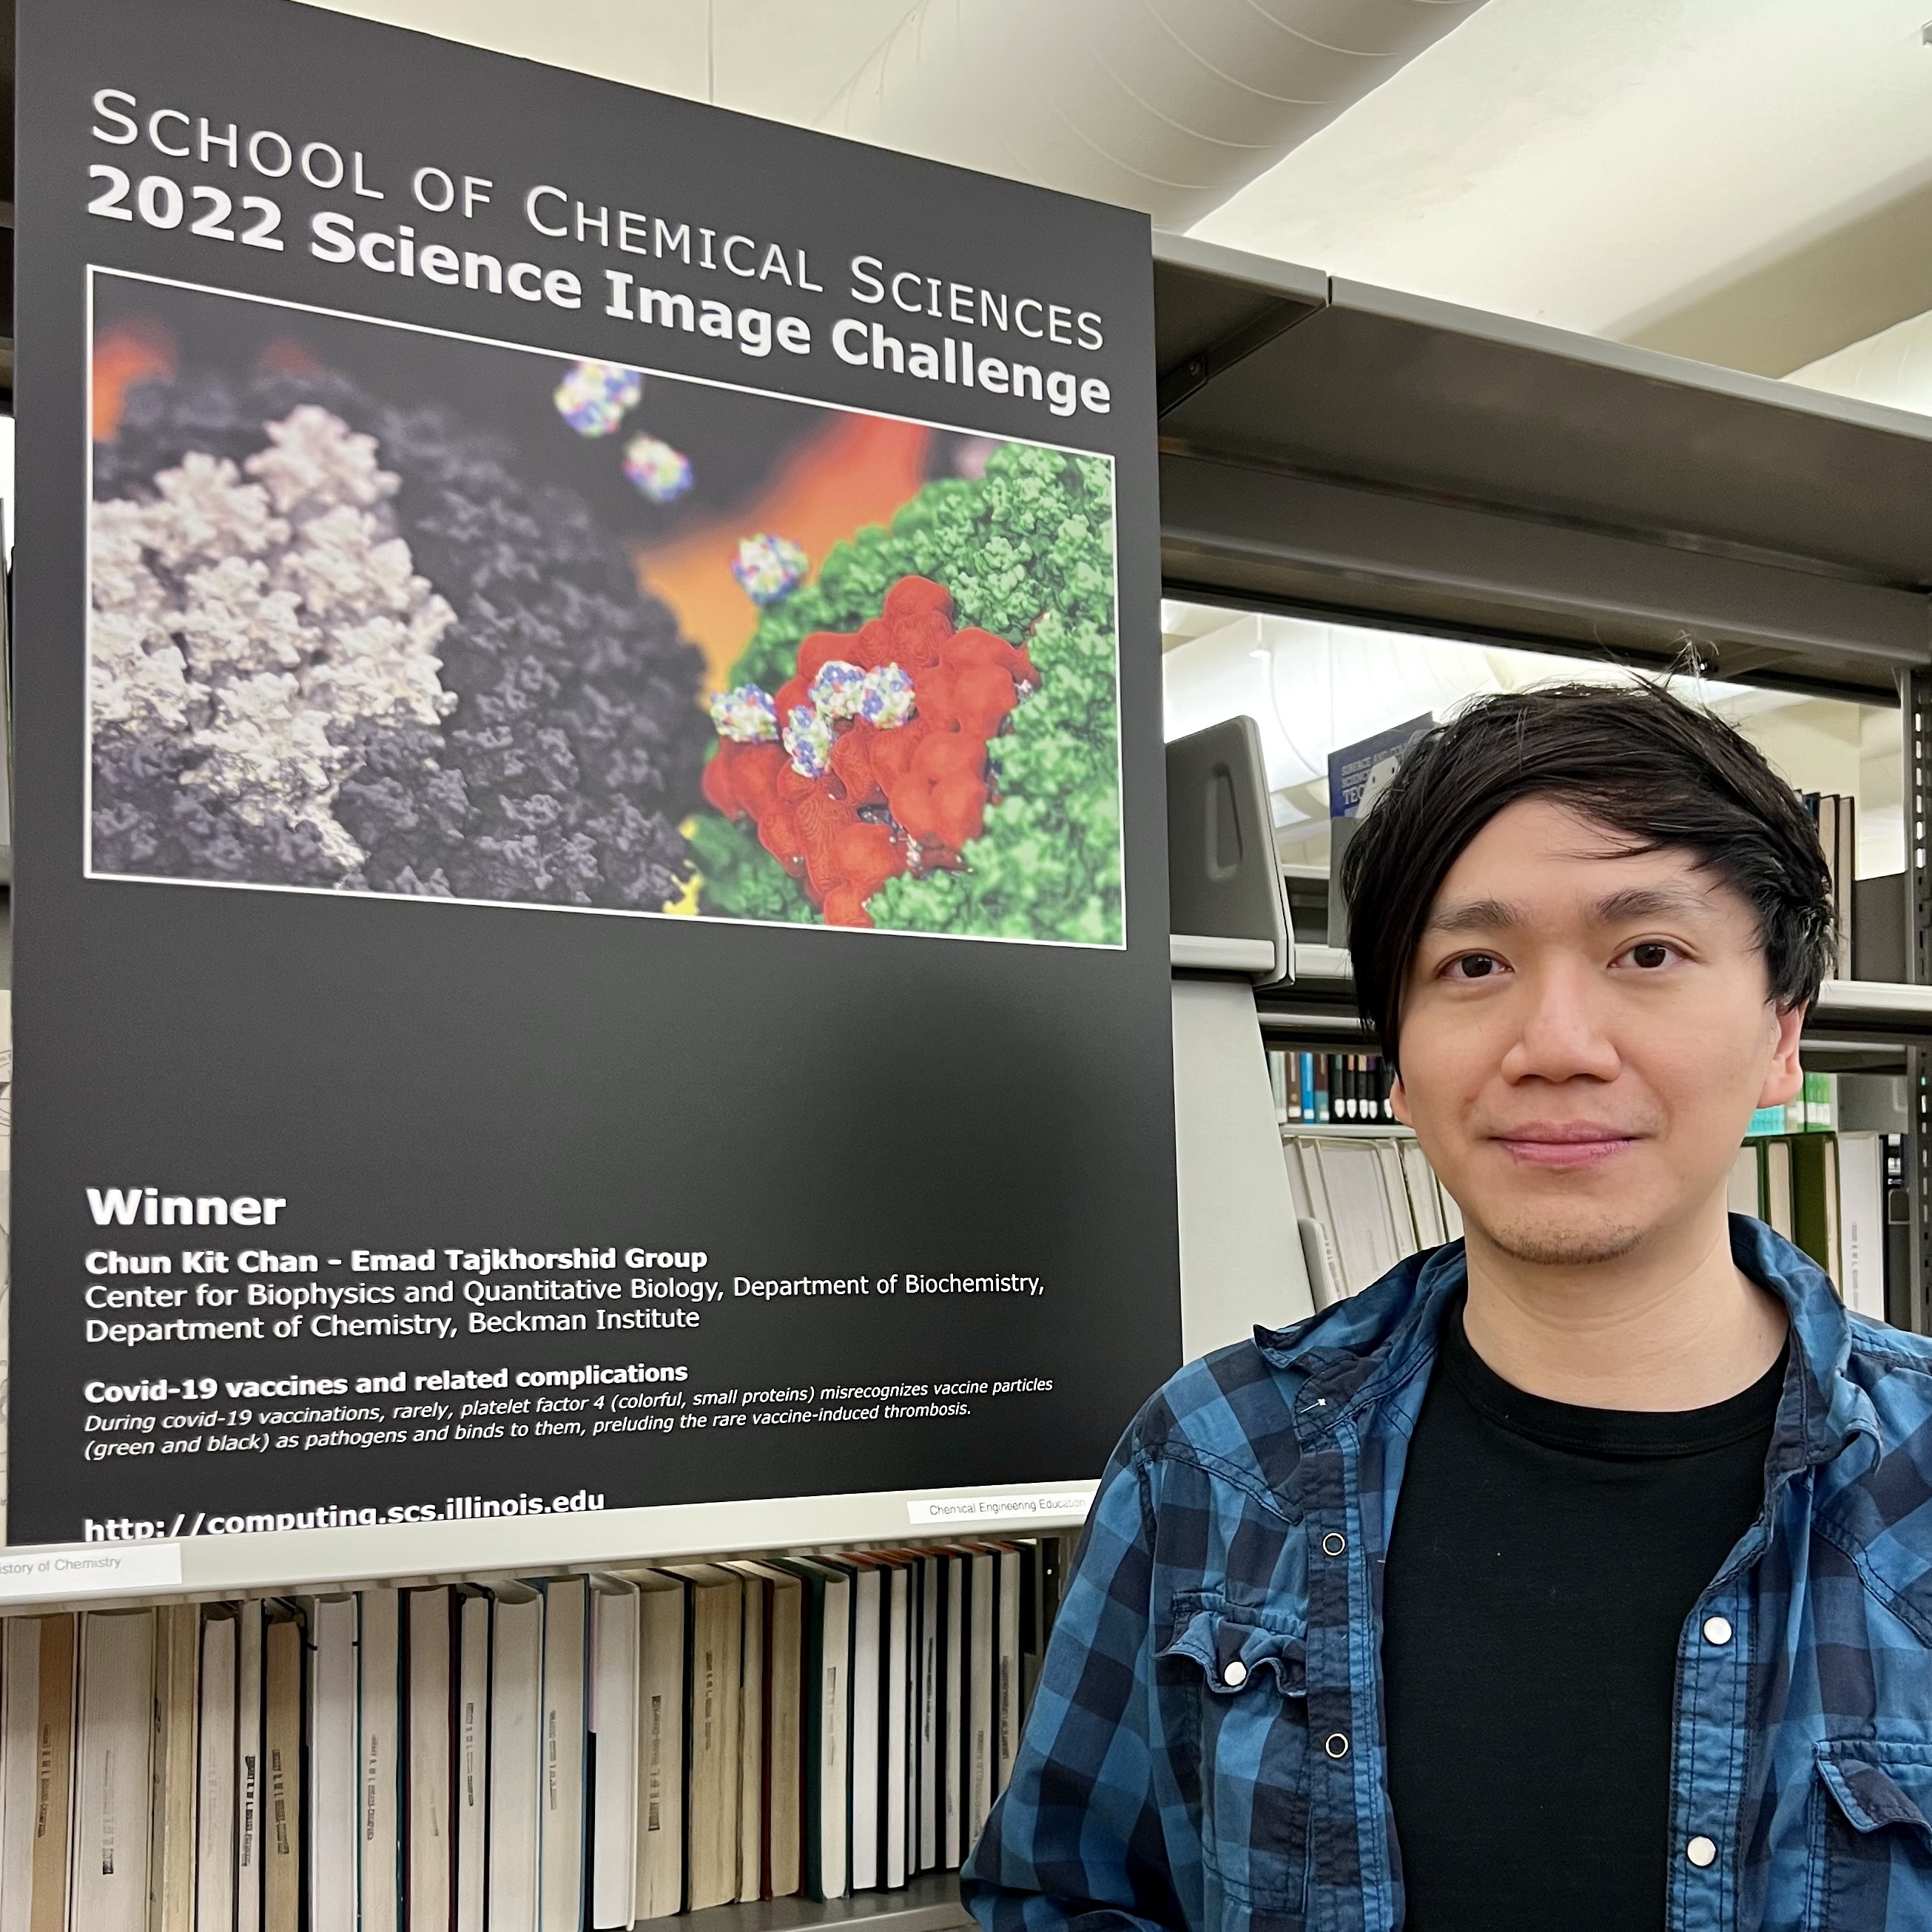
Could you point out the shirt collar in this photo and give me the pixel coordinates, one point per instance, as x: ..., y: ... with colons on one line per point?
x: 1355, y: 1353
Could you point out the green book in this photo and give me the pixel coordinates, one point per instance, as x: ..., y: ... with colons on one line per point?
x: 1814, y: 1198
x: 825, y: 1734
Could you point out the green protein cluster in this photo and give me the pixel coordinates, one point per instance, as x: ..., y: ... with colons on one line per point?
x: 1027, y: 551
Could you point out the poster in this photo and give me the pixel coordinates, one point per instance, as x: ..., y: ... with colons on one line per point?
x: 590, y: 917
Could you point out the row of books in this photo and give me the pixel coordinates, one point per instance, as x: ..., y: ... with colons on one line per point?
x: 1362, y: 1203
x: 1841, y: 1197
x: 566, y: 1754
x: 1835, y: 814
x: 1319, y: 1089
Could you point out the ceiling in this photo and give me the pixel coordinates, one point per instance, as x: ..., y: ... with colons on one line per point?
x: 1745, y: 181
x: 783, y: 59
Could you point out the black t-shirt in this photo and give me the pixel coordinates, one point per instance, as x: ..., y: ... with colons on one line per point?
x: 1543, y: 1561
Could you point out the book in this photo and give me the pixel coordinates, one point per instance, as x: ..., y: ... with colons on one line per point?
x: 1395, y: 1191
x: 19, y: 1767
x: 615, y: 1607
x: 931, y: 1717
x: 868, y: 1677
x: 41, y: 1664
x: 566, y: 1686
x: 282, y: 1661
x: 1325, y: 1284
x: 1006, y: 1677
x: 1033, y: 1621
x: 953, y: 1801
x: 1361, y: 1221
x: 784, y: 1666
x: 715, y: 1627
x: 471, y: 1796
x: 55, y: 1718
x: 1778, y: 1189
x: 1844, y: 879
x: 333, y: 1784
x: 113, y: 1756
x: 1425, y: 1199
x: 516, y: 1756
x: 250, y: 1790
x: 1862, y: 1222
x: 1814, y: 1198
x: 826, y: 1707
x: 1743, y: 1190
x: 176, y: 1768
x: 379, y: 1726
x: 899, y: 1762
x: 754, y: 1770
x: 429, y: 1821
x: 660, y: 1831
x: 216, y: 1791
x: 982, y: 1663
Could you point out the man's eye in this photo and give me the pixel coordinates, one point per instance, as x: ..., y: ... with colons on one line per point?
x: 1474, y: 966
x: 1650, y: 955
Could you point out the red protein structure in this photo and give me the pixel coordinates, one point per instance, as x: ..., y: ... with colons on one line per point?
x: 891, y: 799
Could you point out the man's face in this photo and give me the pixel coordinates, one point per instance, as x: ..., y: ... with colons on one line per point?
x: 1585, y: 1037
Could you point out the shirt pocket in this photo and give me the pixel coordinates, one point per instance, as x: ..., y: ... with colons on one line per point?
x: 1236, y: 1677
x: 1872, y: 1839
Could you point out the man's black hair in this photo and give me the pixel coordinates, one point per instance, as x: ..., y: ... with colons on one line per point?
x: 1664, y: 774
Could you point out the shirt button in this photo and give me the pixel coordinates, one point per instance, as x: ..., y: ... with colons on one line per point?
x: 1334, y: 1543
x: 1717, y: 1630
x: 1235, y: 1674
x: 1701, y: 1851
x: 1336, y: 1744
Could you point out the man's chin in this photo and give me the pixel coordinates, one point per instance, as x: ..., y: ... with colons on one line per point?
x: 1547, y: 1241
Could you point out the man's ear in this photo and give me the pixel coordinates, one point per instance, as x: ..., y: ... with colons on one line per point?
x: 1399, y: 1102
x: 1784, y: 1078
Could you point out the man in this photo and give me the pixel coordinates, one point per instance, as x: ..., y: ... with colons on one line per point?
x: 1577, y: 1577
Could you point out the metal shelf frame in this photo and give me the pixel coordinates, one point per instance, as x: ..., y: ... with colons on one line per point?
x: 36, y: 1577
x: 1360, y: 453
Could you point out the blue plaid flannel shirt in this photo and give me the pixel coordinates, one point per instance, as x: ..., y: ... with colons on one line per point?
x: 1206, y: 1749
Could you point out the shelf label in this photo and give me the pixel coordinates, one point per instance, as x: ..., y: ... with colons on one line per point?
x: 89, y: 1569
x: 1055, y: 1505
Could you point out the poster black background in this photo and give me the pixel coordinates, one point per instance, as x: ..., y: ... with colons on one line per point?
x: 791, y: 1100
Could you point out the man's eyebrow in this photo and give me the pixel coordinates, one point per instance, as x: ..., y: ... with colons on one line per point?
x: 1475, y: 915
x: 1493, y: 915
x: 1648, y: 902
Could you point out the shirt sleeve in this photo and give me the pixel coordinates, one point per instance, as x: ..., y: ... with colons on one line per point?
x: 1078, y: 1839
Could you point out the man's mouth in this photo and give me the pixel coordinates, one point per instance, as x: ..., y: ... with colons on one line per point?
x: 1564, y: 1144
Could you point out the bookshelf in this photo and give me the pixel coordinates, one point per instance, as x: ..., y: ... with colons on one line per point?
x: 928, y: 1904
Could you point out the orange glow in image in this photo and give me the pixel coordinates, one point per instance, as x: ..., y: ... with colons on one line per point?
x: 129, y: 352
x: 860, y: 469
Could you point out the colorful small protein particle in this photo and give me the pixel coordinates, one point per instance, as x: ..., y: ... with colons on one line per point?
x: 807, y: 737
x: 839, y: 688
x: 768, y: 569
x: 593, y: 396
x: 887, y: 700
x: 654, y: 468
x: 746, y: 715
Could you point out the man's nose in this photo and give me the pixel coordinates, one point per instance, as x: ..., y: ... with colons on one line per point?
x: 1564, y: 1029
